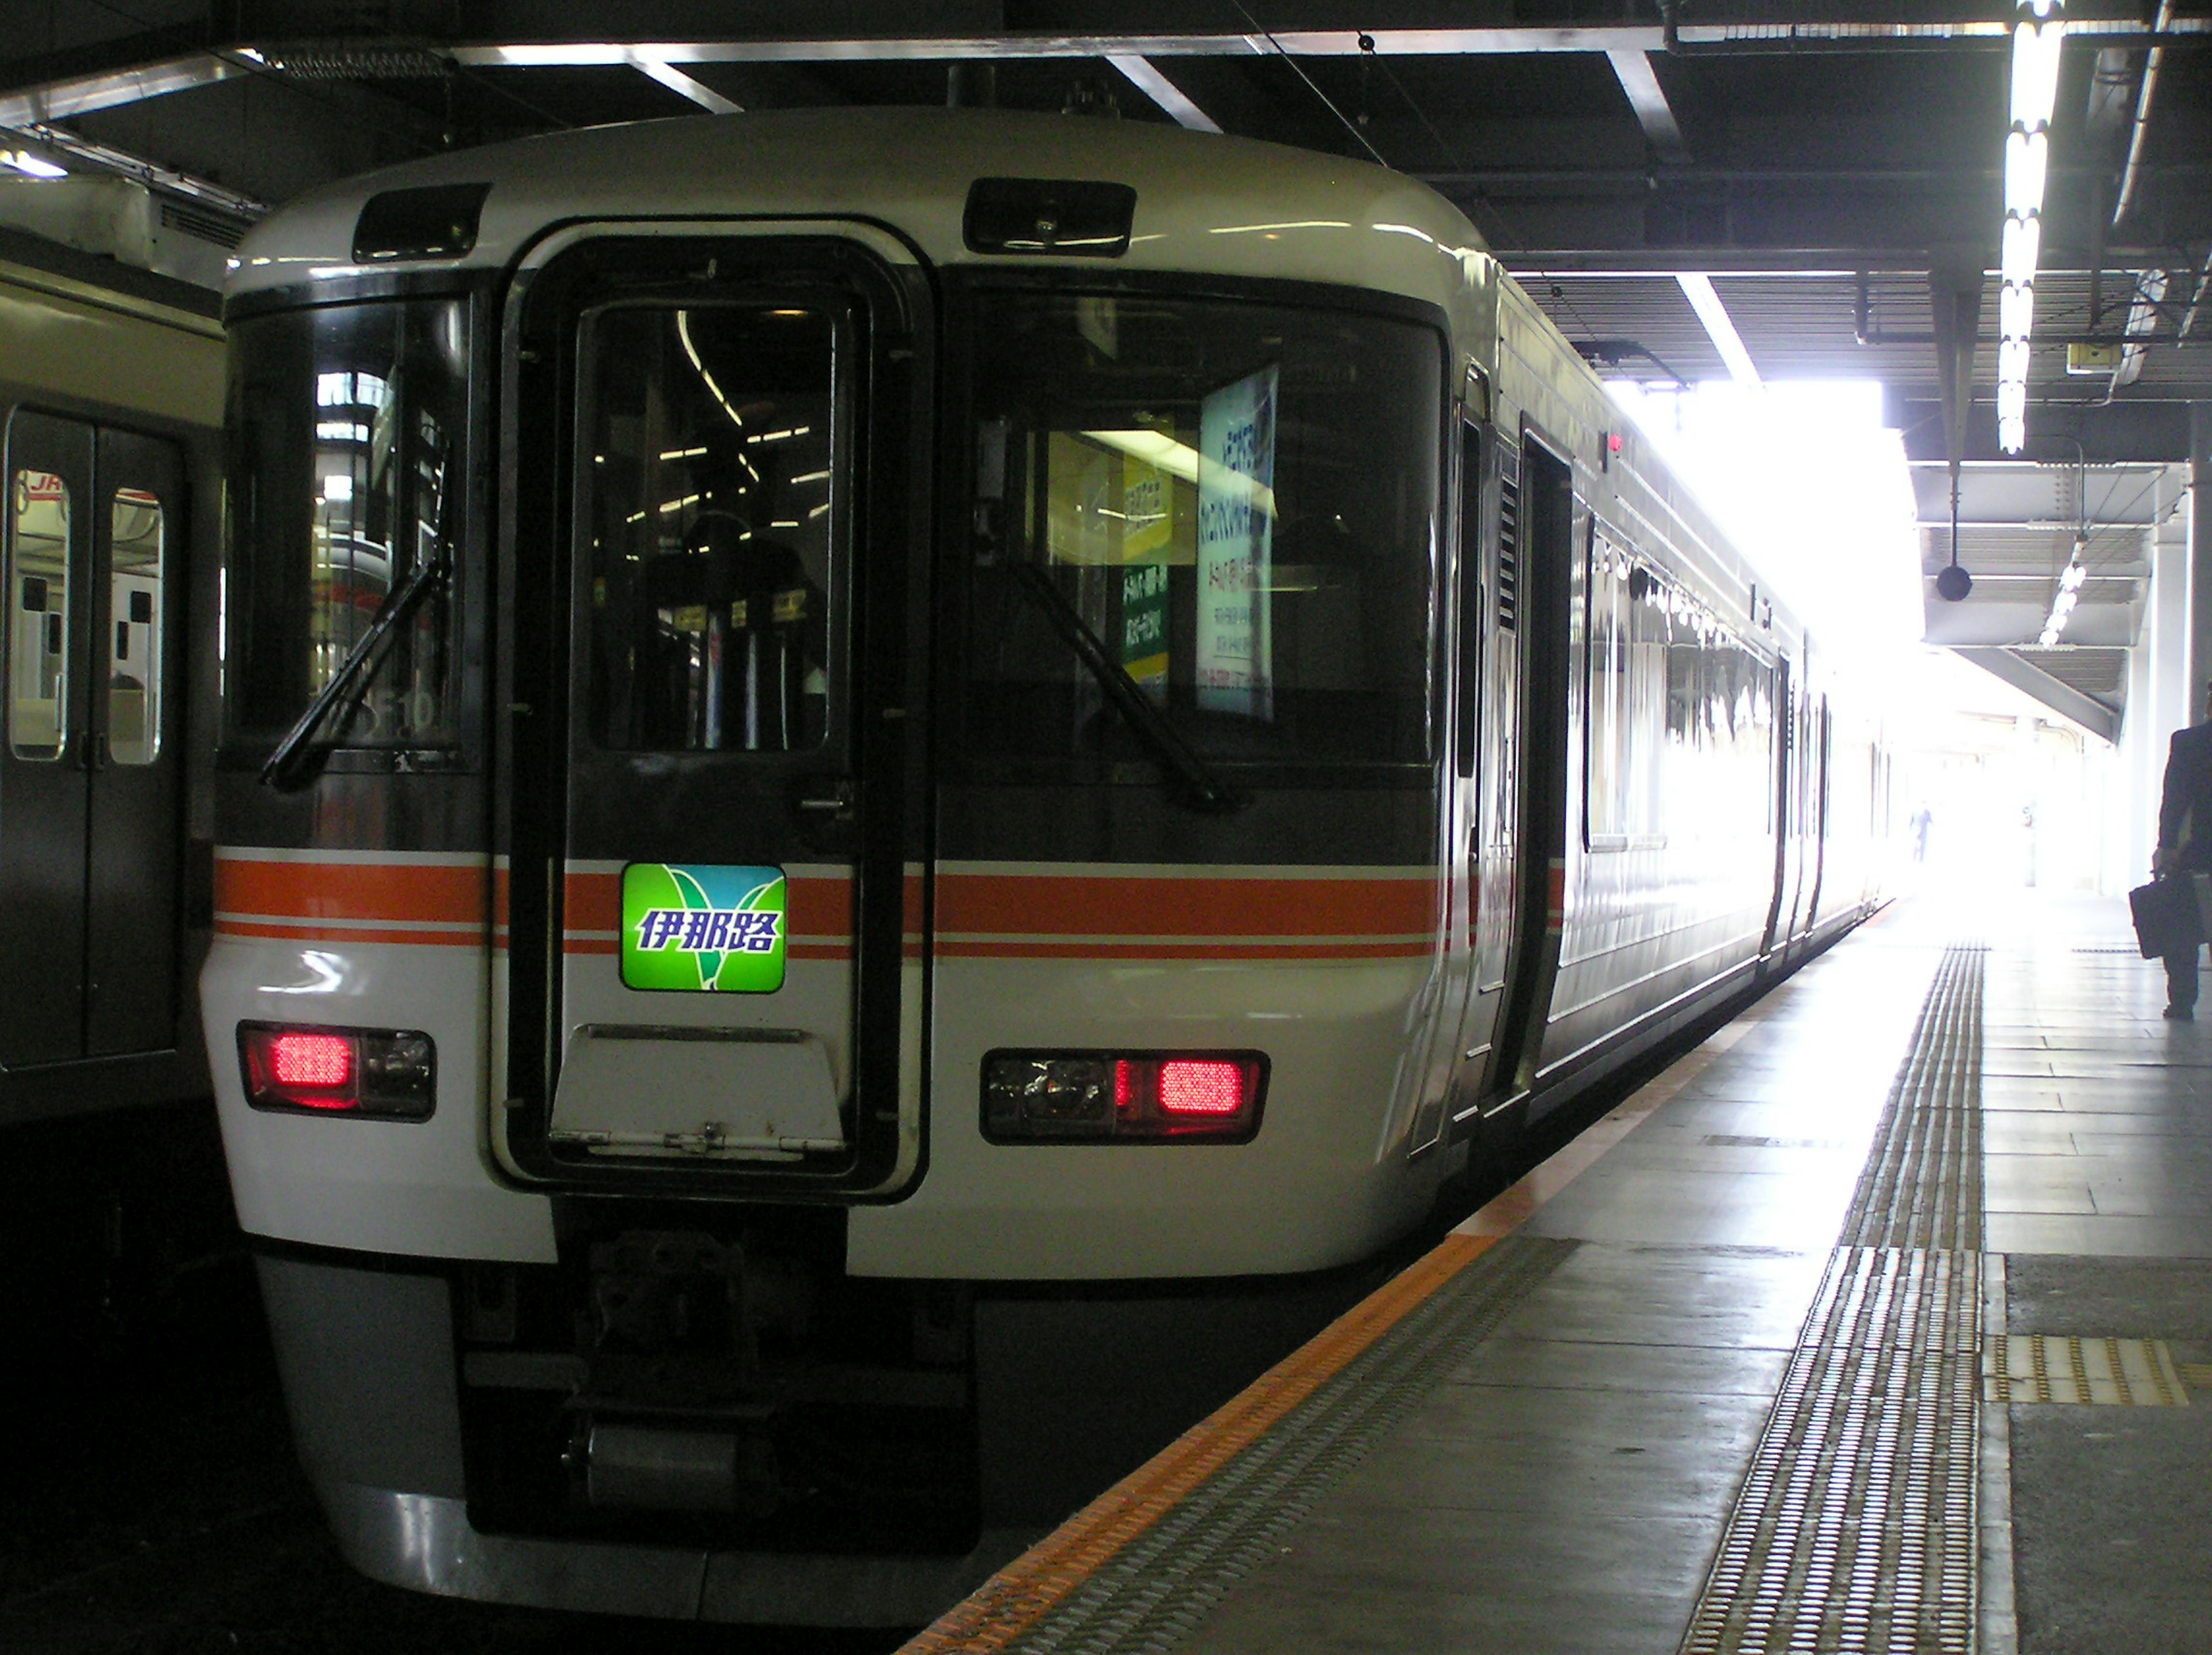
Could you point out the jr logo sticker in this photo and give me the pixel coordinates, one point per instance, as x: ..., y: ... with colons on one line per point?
x: 702, y: 929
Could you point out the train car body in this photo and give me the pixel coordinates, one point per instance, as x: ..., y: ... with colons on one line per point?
x: 111, y: 391
x: 882, y: 774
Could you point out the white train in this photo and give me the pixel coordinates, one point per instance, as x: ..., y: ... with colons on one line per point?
x: 893, y: 784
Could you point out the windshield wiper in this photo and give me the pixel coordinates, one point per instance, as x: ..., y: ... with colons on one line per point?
x: 1201, y: 787
x: 289, y: 766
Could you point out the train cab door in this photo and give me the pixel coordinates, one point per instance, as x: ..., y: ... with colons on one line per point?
x: 89, y: 788
x: 713, y: 815
x: 1525, y: 947
x: 1478, y: 829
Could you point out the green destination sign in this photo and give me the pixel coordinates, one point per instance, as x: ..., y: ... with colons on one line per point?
x: 702, y: 929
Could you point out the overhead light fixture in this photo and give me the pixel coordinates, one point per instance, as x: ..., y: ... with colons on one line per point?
x: 2069, y: 594
x: 31, y: 165
x: 2037, y: 39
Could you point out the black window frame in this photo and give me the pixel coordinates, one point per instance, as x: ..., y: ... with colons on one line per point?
x: 965, y: 290
x: 471, y: 592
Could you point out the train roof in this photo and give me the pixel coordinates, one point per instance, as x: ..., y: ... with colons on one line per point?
x: 1205, y: 201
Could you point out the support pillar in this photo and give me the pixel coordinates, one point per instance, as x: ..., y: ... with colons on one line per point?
x: 2162, y: 667
x: 2200, y: 556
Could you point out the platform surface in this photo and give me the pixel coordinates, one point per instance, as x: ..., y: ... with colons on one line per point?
x: 1794, y: 1350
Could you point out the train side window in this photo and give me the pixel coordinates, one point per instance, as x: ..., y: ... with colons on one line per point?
x: 38, y: 612
x: 1628, y: 631
x: 714, y: 455
x: 135, y: 537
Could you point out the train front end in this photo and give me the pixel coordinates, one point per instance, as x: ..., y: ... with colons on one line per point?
x: 831, y: 913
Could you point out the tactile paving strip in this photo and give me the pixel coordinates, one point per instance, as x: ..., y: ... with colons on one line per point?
x: 1154, y: 1589
x: 1922, y: 1183
x: 1855, y: 1528
x: 2054, y: 1367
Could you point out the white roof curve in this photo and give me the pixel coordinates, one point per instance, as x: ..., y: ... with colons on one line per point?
x: 1205, y: 201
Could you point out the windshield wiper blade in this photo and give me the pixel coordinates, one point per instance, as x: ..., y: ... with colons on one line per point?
x: 1201, y: 787
x: 286, y: 767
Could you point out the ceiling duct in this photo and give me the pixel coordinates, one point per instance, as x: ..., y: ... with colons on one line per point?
x: 359, y: 60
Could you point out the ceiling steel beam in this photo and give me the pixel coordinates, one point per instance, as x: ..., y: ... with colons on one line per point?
x: 684, y: 85
x: 1698, y: 289
x: 1143, y: 73
x: 2057, y: 694
x: 1649, y: 100
x: 81, y: 95
x: 1296, y: 43
x: 111, y: 89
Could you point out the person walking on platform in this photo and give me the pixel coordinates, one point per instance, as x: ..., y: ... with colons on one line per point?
x: 2184, y: 843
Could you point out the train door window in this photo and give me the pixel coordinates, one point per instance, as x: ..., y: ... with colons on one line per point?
x: 39, y: 615
x: 713, y: 505
x: 134, y: 645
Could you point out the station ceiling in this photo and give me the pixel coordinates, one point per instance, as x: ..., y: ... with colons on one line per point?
x: 1815, y: 159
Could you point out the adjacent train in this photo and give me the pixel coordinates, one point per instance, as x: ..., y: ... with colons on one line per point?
x: 892, y: 783
x: 111, y: 393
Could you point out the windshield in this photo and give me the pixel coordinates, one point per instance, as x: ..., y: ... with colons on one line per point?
x: 1240, y: 501
x: 344, y: 432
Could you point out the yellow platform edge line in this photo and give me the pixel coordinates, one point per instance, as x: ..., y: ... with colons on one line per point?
x: 1021, y: 1594
x: 1014, y: 1599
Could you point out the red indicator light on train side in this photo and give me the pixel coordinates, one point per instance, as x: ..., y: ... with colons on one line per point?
x: 1201, y: 1086
x: 385, y: 1073
x: 1097, y: 1098
x: 312, y: 1060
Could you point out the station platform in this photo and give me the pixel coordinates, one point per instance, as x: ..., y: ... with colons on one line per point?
x: 1881, y: 1321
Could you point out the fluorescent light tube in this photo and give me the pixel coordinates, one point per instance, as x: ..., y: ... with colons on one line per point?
x: 2015, y: 310
x: 2028, y: 156
x: 2017, y: 253
x: 2035, y: 49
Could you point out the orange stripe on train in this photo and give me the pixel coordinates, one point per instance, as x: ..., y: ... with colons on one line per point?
x: 436, y: 893
x: 1210, y: 910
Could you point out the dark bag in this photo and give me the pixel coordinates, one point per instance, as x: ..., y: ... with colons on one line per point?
x: 2165, y: 916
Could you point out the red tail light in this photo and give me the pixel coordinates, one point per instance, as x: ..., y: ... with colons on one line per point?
x: 313, y: 1061
x: 1035, y: 1097
x: 1191, y: 1086
x: 389, y: 1073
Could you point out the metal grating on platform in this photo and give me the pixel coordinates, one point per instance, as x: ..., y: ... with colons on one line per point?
x: 1154, y: 1589
x: 1856, y: 1529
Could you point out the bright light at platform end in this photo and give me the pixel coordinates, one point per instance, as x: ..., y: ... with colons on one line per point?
x: 1804, y: 476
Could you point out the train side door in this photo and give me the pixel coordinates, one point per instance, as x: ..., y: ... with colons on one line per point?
x: 711, y: 858
x: 1785, y: 766
x: 88, y: 775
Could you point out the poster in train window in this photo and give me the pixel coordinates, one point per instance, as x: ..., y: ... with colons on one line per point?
x: 38, y: 607
x: 1236, y: 534
x: 1121, y: 500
